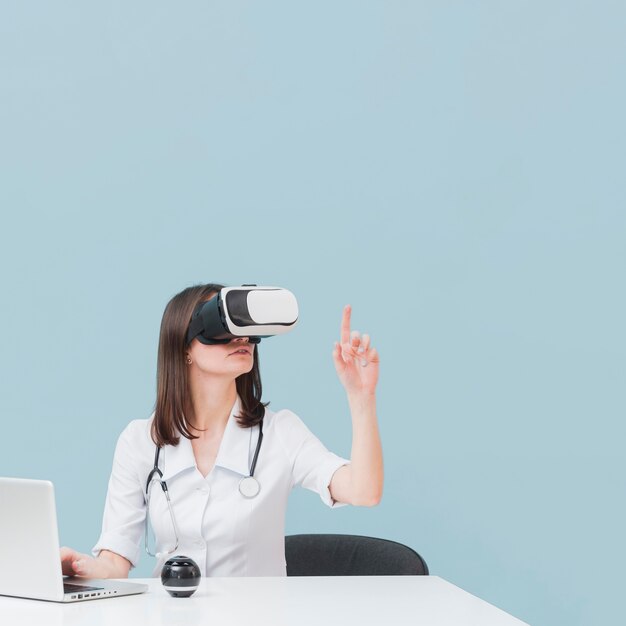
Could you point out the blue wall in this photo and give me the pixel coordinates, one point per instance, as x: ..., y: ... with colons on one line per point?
x: 455, y: 171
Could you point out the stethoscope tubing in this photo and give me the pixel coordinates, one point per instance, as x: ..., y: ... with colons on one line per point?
x: 249, y: 487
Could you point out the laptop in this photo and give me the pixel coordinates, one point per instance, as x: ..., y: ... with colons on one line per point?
x: 30, y: 561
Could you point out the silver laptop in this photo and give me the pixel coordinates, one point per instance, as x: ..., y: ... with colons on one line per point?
x: 30, y: 561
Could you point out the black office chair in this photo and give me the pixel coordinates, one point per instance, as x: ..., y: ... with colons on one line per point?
x: 350, y: 555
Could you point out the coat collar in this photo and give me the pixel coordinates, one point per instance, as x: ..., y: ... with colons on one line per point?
x: 233, y: 453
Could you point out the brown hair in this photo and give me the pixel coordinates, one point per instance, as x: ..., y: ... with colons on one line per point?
x: 172, y: 397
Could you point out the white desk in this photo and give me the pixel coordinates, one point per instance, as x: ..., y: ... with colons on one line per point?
x: 288, y: 601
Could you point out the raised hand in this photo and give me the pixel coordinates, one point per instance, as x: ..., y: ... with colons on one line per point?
x: 356, y: 362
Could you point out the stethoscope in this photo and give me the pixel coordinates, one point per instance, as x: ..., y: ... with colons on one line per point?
x: 249, y: 487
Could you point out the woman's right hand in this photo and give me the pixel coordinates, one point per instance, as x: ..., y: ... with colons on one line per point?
x: 75, y: 563
x: 107, y: 565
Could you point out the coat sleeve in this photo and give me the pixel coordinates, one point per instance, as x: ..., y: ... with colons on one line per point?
x: 312, y: 465
x: 125, y: 508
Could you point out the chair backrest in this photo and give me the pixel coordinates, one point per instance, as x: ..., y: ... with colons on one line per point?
x: 350, y: 555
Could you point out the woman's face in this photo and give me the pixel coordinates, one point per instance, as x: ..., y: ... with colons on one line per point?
x: 232, y: 359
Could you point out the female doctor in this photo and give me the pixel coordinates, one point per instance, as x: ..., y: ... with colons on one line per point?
x: 209, y: 422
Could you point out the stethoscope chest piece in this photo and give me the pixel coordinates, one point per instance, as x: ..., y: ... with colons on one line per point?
x: 249, y: 487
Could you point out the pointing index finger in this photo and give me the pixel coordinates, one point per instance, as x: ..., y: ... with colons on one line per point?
x: 345, y: 324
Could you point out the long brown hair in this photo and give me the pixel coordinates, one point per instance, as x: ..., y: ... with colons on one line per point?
x: 172, y: 397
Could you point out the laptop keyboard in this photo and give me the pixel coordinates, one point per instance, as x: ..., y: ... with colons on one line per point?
x: 70, y: 587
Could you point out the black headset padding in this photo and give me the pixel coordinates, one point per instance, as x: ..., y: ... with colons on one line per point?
x: 205, y: 321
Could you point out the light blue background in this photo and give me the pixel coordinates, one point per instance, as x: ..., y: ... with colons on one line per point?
x: 455, y: 171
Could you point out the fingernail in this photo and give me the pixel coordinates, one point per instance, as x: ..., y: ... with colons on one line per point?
x: 78, y: 565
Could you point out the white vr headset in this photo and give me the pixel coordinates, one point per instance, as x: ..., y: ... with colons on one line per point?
x: 245, y: 311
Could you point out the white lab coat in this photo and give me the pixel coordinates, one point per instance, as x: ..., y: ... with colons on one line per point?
x: 225, y: 533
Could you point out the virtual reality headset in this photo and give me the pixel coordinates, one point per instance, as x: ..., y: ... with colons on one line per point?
x: 245, y: 311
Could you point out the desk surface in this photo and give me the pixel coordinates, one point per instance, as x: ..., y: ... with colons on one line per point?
x: 288, y: 601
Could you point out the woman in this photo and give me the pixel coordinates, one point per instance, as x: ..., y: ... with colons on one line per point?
x: 207, y: 421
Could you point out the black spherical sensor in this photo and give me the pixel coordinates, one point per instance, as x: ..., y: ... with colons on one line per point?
x: 180, y: 576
